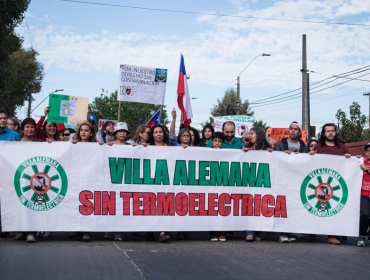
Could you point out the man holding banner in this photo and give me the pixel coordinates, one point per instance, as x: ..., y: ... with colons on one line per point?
x: 231, y: 142
x: 330, y: 145
x: 293, y: 143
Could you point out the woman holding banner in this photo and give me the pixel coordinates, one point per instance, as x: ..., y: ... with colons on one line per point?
x: 158, y: 137
x: 86, y: 133
x: 120, y: 133
x: 141, y: 135
x: 186, y: 137
x: 46, y: 131
x: 28, y: 131
x: 257, y: 141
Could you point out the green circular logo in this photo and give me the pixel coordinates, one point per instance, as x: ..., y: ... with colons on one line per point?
x: 40, y: 183
x: 324, y: 192
x: 161, y: 75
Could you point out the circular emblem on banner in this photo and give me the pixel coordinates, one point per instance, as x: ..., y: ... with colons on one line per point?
x: 161, y: 75
x: 40, y: 183
x: 324, y: 192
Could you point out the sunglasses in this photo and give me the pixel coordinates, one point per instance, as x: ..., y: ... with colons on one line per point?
x: 67, y: 134
x: 312, y: 145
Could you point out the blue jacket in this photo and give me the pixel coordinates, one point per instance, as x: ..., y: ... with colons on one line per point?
x: 9, y: 135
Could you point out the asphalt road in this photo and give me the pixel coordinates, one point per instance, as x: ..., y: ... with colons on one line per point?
x: 196, y: 258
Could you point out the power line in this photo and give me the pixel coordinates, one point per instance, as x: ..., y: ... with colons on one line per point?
x: 339, y: 96
x: 299, y: 94
x: 213, y: 14
x: 334, y: 78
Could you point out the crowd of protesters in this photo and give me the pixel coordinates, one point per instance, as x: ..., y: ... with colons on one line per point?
x: 158, y: 135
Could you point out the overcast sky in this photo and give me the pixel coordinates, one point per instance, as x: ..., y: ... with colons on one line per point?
x: 82, y: 46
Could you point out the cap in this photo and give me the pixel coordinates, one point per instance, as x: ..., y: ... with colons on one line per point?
x: 92, y: 117
x: 298, y: 124
x: 120, y: 126
x: 367, y: 146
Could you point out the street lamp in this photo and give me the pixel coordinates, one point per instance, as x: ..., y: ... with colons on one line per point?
x: 45, y: 99
x: 238, y: 82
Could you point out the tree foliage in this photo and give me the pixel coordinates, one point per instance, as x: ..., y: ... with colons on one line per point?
x: 19, y: 83
x: 227, y: 105
x: 106, y: 107
x: 210, y: 121
x: 352, y: 129
x: 20, y: 72
x: 11, y: 14
x: 261, y: 124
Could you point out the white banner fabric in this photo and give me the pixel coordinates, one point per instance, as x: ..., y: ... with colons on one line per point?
x: 86, y: 187
x: 142, y: 84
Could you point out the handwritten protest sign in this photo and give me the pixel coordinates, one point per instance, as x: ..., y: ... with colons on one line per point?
x: 67, y: 109
x: 242, y: 123
x: 279, y: 133
x: 141, y: 84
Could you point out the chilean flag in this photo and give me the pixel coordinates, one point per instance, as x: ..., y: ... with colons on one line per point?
x: 155, y: 119
x: 183, y: 97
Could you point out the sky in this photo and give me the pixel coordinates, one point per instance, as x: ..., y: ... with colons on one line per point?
x: 82, y: 45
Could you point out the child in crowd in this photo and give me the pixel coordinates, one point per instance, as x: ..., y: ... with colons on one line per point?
x: 365, y: 198
x: 218, y: 139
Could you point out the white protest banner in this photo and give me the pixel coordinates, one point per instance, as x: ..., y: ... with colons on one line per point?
x: 86, y: 187
x: 242, y: 123
x: 142, y: 84
x: 102, y: 122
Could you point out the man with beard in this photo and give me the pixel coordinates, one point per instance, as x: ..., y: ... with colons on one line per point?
x: 329, y: 142
x: 330, y: 145
x: 231, y: 142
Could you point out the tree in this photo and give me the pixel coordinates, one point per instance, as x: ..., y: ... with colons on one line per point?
x: 352, y: 129
x: 210, y: 121
x: 11, y: 15
x: 20, y: 73
x: 261, y: 124
x: 23, y: 77
x: 227, y: 105
x: 106, y: 107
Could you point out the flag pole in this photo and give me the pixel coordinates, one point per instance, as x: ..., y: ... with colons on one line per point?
x: 119, y: 110
x: 160, y: 114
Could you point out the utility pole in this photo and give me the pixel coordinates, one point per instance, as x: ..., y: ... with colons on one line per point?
x: 368, y: 94
x: 29, y: 104
x: 238, y: 96
x: 305, y: 93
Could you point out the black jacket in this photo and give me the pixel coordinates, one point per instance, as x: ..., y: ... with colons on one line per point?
x: 282, y: 145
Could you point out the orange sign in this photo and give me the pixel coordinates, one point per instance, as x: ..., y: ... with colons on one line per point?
x: 279, y: 133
